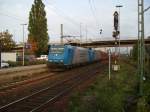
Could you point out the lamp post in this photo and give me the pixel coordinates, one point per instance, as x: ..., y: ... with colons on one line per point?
x: 119, y: 6
x: 23, y: 44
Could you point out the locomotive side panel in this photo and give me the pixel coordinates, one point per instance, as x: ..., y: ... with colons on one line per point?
x: 68, y: 55
x: 80, y: 55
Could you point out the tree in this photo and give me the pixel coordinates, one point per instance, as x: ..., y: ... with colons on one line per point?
x: 38, y: 36
x: 7, y: 42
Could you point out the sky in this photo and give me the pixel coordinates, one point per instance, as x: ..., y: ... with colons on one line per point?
x: 92, y: 15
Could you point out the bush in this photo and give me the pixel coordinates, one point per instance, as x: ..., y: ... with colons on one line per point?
x: 26, y: 63
x: 14, y: 64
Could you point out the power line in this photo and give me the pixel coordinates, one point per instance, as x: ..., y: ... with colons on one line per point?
x: 94, y: 5
x: 12, y: 17
x: 93, y: 12
x: 147, y: 9
x: 62, y: 14
x: 66, y: 17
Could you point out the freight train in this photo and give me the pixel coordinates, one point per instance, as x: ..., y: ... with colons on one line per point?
x: 67, y: 56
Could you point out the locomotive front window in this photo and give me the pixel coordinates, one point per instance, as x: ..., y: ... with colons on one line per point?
x: 57, y: 50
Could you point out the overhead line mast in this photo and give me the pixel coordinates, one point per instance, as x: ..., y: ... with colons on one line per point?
x: 141, y: 45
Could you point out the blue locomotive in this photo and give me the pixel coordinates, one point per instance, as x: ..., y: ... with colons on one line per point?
x: 68, y: 56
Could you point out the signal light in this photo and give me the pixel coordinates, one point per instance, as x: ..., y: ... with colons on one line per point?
x: 116, y: 20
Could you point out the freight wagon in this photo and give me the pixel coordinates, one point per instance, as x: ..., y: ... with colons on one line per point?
x: 67, y: 56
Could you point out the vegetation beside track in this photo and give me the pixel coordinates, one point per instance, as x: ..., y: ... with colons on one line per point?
x: 117, y: 95
x: 143, y: 104
x: 26, y: 63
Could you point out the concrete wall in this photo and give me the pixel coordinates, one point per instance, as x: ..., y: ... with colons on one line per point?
x: 8, y: 56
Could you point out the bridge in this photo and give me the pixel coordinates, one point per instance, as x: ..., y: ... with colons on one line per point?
x: 111, y: 43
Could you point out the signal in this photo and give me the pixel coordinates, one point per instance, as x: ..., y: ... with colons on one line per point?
x: 116, y: 20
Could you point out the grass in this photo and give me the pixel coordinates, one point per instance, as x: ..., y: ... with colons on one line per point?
x: 116, y: 95
x: 143, y: 104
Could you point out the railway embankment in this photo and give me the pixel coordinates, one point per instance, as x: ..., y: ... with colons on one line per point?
x: 116, y: 95
x: 11, y: 75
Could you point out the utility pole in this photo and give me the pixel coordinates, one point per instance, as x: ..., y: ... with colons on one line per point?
x: 141, y: 45
x: 61, y: 38
x: 23, y: 45
x: 80, y: 33
x: 86, y: 32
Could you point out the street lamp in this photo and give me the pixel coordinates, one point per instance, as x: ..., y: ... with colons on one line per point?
x: 119, y: 6
x: 23, y: 44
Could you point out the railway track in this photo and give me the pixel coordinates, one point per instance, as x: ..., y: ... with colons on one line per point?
x: 24, y: 82
x: 38, y: 100
x: 17, y: 74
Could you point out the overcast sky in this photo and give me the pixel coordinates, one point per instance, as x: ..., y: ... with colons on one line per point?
x: 95, y: 14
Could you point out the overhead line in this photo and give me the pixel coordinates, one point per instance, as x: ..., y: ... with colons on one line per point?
x: 147, y: 9
x: 65, y: 17
x: 93, y: 12
x: 61, y: 14
x: 10, y: 16
x: 94, y: 5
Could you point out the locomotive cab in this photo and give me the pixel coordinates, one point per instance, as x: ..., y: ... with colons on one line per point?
x: 56, y: 54
x: 60, y: 55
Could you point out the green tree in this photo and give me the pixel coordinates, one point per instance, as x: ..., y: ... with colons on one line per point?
x: 38, y: 36
x: 7, y: 42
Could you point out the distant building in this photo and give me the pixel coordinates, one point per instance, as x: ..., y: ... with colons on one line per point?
x: 18, y: 50
x: 8, y: 56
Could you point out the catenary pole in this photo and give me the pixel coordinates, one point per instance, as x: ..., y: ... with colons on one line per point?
x: 23, y: 44
x: 141, y: 45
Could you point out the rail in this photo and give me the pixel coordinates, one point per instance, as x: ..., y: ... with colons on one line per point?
x: 38, y: 100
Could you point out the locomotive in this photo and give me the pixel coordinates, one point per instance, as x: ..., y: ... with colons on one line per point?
x: 67, y: 56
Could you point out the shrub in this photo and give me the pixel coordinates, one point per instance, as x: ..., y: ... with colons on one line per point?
x: 26, y: 63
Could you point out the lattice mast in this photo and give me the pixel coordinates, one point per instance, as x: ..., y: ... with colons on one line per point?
x: 141, y: 46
